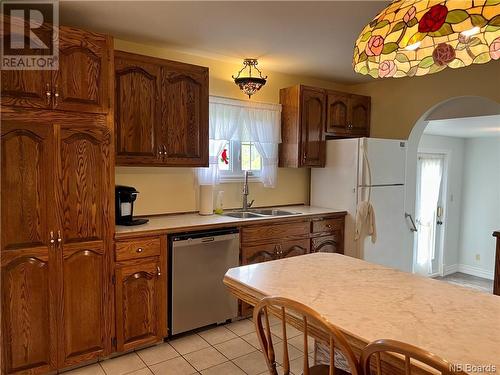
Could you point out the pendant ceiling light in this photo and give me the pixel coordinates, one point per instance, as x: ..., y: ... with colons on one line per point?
x: 248, y: 84
x: 418, y: 37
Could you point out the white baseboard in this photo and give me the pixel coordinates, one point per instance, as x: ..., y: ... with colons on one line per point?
x: 452, y: 268
x: 469, y: 270
x: 475, y: 271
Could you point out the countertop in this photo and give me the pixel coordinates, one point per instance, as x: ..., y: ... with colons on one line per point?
x: 369, y: 301
x: 183, y: 222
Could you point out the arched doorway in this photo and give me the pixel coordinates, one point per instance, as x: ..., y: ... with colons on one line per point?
x: 457, y: 108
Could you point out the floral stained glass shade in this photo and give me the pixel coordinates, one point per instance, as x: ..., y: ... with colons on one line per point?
x: 417, y: 37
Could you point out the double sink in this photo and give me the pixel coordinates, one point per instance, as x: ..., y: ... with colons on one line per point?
x: 256, y: 213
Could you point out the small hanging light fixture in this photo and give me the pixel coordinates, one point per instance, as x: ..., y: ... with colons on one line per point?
x: 248, y: 84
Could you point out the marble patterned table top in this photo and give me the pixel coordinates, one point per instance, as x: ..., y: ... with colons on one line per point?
x: 370, y: 302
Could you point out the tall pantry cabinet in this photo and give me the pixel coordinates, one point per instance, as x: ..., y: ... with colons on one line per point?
x: 57, y: 184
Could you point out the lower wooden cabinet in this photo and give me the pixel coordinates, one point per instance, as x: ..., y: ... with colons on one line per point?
x: 140, y: 295
x: 28, y: 321
x: 327, y: 244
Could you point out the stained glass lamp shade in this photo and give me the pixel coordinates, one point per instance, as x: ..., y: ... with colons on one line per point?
x: 418, y: 37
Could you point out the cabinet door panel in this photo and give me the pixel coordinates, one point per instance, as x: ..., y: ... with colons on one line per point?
x: 26, y: 184
x: 82, y: 186
x: 28, y: 312
x: 139, y: 304
x: 83, y: 283
x: 312, y: 125
x: 359, y: 115
x: 82, y: 194
x: 185, y: 116
x: 328, y: 244
x: 137, y: 108
x: 26, y: 88
x: 337, y: 114
x: 82, y: 82
x: 294, y: 248
x: 259, y: 253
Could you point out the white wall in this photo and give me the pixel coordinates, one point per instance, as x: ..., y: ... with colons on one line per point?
x: 481, y: 205
x: 454, y: 149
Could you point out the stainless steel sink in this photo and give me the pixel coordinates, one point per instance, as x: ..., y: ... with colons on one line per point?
x: 257, y: 212
x: 241, y: 215
x: 273, y: 212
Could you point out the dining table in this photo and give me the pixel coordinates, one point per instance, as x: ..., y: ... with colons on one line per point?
x: 367, y: 301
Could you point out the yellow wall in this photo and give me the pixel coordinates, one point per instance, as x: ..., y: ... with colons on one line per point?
x: 396, y: 106
x: 397, y: 103
x: 166, y: 190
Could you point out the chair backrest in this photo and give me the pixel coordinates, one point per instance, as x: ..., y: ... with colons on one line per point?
x: 374, y: 350
x: 311, y: 321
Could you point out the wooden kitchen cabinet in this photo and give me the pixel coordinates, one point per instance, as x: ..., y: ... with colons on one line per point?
x: 184, y: 115
x: 310, y: 115
x: 82, y: 173
x: 140, y: 292
x: 80, y: 84
x: 137, y: 99
x: 161, y: 114
x: 56, y: 215
x: 348, y: 115
x: 303, y: 124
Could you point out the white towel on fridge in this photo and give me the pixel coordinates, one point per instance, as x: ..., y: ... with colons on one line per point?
x: 365, y: 217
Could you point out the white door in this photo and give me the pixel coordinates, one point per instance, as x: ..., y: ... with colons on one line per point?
x: 391, y: 247
x: 429, y: 212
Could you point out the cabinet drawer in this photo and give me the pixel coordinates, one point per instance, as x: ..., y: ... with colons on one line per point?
x: 274, y: 231
x: 327, y: 225
x: 140, y: 248
x: 332, y: 243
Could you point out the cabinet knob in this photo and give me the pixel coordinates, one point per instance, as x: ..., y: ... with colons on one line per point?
x: 59, y: 238
x: 48, y: 94
x: 56, y: 96
x: 139, y: 250
x: 158, y: 272
x: 329, y: 226
x: 349, y: 126
x: 52, y: 240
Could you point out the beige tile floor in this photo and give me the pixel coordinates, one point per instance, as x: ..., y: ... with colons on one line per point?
x: 231, y: 349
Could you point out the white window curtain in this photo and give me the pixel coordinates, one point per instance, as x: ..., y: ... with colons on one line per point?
x: 428, y: 187
x: 232, y: 119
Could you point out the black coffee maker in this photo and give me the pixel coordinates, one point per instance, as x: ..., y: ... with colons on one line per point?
x: 124, y: 206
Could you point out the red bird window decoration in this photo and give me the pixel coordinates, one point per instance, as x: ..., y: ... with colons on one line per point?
x: 224, y: 157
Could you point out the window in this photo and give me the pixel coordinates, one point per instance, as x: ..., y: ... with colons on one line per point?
x: 237, y: 157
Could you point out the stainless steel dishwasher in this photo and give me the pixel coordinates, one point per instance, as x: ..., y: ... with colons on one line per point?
x: 198, y: 262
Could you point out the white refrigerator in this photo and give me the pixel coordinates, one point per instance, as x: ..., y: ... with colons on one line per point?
x: 354, y: 169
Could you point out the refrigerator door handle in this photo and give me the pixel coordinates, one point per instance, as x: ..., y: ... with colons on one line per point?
x: 413, y: 226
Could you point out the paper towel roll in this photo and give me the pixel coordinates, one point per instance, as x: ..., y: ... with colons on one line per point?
x: 206, y: 200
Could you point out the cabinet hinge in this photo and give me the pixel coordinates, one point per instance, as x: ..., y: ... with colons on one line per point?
x: 113, y: 342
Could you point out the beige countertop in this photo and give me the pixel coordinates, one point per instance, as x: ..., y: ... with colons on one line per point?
x: 180, y: 222
x: 369, y: 302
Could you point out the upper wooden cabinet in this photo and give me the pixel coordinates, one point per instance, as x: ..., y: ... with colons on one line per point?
x: 137, y: 85
x: 302, y: 127
x: 82, y: 82
x: 161, y: 115
x: 310, y: 115
x: 348, y: 115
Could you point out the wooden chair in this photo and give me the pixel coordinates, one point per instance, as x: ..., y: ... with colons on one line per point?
x: 311, y: 321
x: 409, y: 352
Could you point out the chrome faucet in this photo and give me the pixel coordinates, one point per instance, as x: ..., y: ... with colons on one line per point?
x: 246, y: 205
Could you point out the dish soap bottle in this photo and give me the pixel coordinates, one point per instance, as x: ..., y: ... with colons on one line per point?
x: 219, y: 204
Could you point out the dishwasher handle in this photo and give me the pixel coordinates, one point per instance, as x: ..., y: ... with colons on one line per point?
x: 204, y: 240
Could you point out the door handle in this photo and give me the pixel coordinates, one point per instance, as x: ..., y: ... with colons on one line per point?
x: 413, y: 226
x: 48, y: 94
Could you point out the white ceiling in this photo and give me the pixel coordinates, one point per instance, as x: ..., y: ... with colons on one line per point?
x: 309, y: 38
x: 470, y: 127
